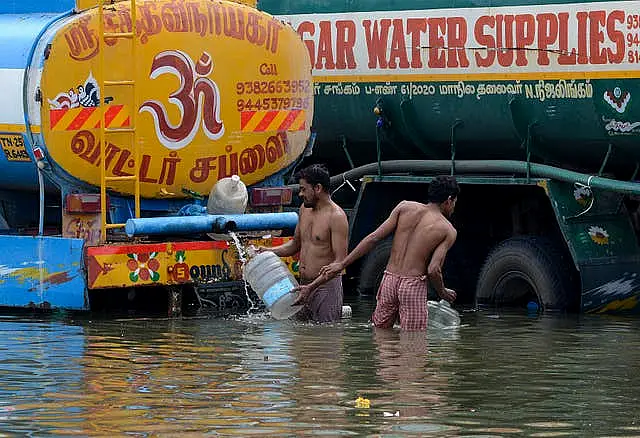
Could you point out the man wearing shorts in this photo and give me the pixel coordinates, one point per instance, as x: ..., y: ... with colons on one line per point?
x: 321, y: 238
x: 422, y: 237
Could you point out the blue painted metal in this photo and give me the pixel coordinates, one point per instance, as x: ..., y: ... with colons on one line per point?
x: 42, y: 272
x: 31, y: 6
x: 177, y: 225
x: 19, y: 33
x: 18, y: 175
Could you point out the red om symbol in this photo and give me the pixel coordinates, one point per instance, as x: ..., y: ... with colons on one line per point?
x: 197, y: 98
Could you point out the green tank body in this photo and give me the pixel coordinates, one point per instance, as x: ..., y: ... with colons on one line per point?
x: 484, y: 79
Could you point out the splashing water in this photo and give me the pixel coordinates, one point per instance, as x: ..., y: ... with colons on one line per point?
x: 242, y: 253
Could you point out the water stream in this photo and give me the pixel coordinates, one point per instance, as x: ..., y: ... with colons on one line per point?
x: 242, y: 254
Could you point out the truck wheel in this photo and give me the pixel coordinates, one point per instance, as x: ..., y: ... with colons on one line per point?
x: 373, y: 267
x: 524, y: 269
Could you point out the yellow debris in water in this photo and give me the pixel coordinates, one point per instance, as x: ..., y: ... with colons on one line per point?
x: 363, y: 403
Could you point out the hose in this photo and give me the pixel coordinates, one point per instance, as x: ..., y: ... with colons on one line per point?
x: 486, y: 166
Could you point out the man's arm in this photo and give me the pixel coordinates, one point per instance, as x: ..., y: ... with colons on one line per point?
x: 289, y: 248
x: 386, y: 228
x: 434, y: 270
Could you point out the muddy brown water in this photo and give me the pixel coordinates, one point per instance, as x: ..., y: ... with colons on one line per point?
x: 506, y: 374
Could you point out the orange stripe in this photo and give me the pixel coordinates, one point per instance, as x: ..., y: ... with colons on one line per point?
x: 300, y: 123
x: 289, y: 120
x: 251, y: 124
x: 266, y: 120
x: 245, y: 117
x: 79, y: 120
x: 66, y: 118
x: 277, y: 121
x: 55, y: 116
x: 93, y: 120
x: 195, y: 246
x: 120, y: 119
x: 126, y: 249
x: 111, y: 113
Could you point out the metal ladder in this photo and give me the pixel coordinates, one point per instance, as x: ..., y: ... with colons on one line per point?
x: 106, y: 132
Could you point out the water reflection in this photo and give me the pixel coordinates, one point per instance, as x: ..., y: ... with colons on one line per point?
x: 498, y: 375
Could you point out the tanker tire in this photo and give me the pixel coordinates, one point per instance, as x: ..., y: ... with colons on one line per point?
x: 530, y: 263
x: 373, y: 267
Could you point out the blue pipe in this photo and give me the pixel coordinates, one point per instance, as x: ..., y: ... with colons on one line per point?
x: 209, y: 223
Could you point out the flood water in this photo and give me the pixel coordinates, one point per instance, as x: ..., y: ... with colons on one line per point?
x: 497, y: 375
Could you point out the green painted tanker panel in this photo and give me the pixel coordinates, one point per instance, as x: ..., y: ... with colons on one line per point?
x: 558, y: 78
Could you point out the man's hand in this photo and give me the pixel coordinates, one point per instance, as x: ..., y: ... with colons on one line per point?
x: 331, y: 270
x: 304, y: 294
x: 449, y: 295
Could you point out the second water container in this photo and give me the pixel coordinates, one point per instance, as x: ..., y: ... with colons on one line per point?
x: 442, y: 315
x: 228, y: 196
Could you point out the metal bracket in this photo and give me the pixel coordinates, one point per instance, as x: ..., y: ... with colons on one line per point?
x: 342, y: 139
x: 604, y: 161
x: 528, y: 147
x: 455, y: 125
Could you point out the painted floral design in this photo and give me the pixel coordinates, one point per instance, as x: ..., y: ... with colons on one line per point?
x: 599, y: 235
x: 143, y: 267
x: 583, y: 195
x: 618, y: 99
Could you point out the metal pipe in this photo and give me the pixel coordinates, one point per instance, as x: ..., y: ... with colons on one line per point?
x: 487, y: 166
x: 180, y: 225
x: 256, y: 222
x: 41, y: 203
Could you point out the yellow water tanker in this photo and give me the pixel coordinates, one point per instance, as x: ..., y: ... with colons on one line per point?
x: 207, y: 89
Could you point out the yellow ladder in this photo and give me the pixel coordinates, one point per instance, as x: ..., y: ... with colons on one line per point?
x: 106, y: 132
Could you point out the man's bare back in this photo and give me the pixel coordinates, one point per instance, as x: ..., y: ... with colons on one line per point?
x: 422, y: 236
x: 420, y: 229
x: 316, y: 228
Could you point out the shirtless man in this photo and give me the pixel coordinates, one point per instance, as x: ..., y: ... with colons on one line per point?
x: 321, y: 238
x: 423, y: 235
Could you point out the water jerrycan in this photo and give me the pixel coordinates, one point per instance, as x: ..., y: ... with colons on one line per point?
x: 270, y: 278
x: 442, y: 315
x: 228, y: 196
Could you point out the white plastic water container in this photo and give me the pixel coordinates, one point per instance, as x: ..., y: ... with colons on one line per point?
x: 270, y: 278
x: 442, y: 315
x: 228, y: 196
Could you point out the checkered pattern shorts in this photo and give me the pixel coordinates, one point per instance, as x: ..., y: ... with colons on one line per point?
x: 403, y: 295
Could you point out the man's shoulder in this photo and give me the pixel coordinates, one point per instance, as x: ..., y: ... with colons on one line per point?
x: 448, y: 228
x: 410, y: 208
x: 337, y: 213
x: 411, y: 205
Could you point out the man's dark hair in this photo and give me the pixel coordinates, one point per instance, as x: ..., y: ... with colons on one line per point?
x: 315, y: 174
x: 441, y: 187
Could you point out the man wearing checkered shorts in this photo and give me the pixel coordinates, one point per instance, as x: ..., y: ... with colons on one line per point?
x: 422, y: 238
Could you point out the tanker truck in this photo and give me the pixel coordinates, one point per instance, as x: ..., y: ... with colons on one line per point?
x: 120, y: 111
x: 533, y: 105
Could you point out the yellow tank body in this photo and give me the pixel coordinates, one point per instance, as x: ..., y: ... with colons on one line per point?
x: 217, y: 88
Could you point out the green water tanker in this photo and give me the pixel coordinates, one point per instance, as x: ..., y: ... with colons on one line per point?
x: 494, y: 79
x: 533, y: 105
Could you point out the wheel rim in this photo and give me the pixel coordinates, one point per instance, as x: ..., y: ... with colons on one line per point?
x: 515, y: 288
